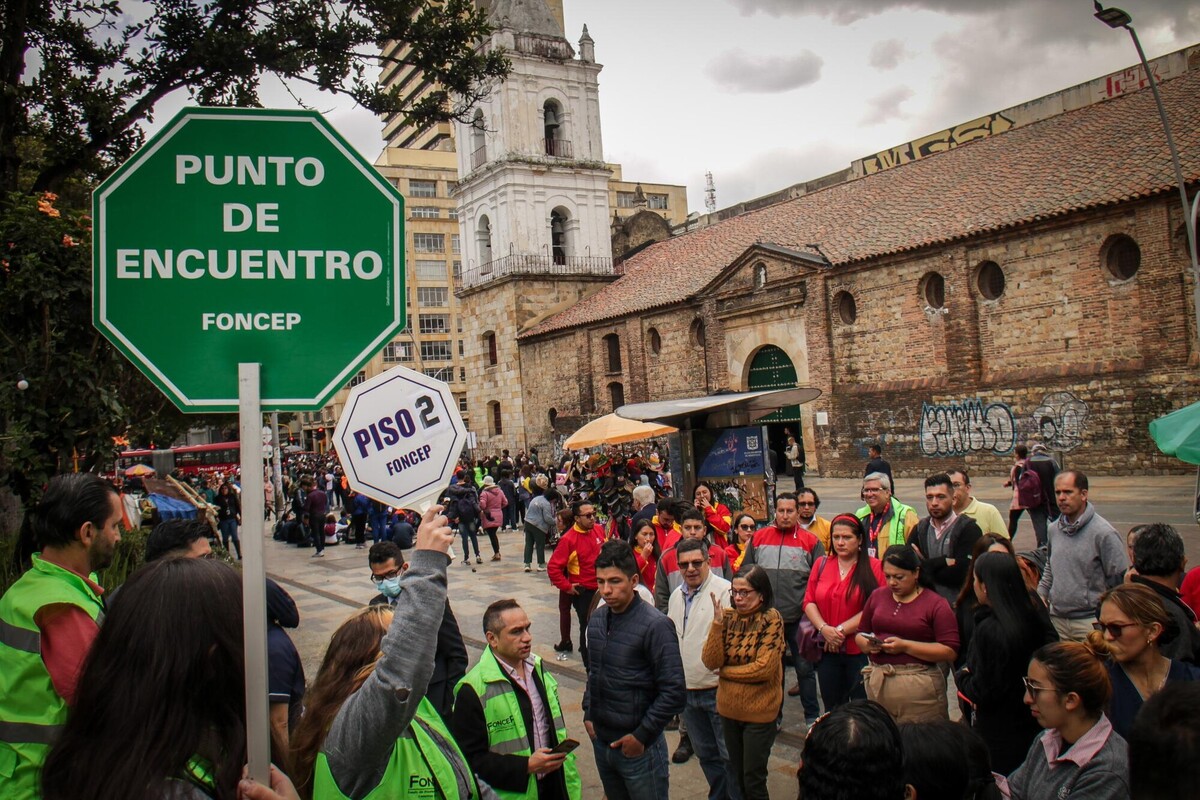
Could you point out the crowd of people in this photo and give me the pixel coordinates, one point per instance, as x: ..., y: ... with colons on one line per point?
x: 931, y: 657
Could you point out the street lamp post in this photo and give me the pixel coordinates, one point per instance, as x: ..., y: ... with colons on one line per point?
x: 1116, y: 18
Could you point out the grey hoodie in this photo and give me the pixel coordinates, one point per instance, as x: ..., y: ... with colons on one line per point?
x: 1087, y: 558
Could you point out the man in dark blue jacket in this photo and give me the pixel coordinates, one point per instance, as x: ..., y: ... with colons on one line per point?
x: 635, y: 681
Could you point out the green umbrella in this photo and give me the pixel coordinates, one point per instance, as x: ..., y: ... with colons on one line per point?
x: 1178, y: 433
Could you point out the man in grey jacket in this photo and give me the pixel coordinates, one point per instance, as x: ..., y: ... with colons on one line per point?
x: 1087, y: 558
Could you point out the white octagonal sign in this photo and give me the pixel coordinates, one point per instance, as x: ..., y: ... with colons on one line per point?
x: 399, y: 438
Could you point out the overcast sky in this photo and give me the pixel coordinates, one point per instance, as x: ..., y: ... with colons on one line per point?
x: 767, y: 93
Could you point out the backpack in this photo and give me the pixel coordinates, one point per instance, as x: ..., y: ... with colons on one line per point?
x: 467, y: 506
x: 1029, y: 489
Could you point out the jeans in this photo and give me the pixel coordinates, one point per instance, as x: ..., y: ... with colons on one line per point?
x: 642, y: 778
x: 535, y: 537
x: 805, y: 675
x: 1040, y: 518
x: 358, y: 528
x: 749, y: 745
x: 708, y: 741
x: 228, y: 528
x: 468, y: 529
x: 316, y: 529
x: 582, y: 603
x: 378, y: 528
x: 841, y: 679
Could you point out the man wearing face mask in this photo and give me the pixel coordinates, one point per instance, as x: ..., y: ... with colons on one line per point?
x: 450, y: 658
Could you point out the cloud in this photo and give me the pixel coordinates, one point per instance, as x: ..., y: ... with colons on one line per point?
x: 886, y: 106
x: 887, y: 54
x: 738, y: 72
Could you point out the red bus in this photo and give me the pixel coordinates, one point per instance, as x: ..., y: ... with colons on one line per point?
x: 189, y: 460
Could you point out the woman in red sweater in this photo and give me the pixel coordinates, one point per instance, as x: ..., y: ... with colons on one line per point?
x: 741, y: 533
x: 645, y: 550
x: 838, y: 589
x: 716, y: 515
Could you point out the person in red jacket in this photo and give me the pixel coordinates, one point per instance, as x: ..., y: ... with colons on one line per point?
x: 572, y: 568
x: 646, y: 552
x: 717, y: 515
x: 667, y: 576
x: 665, y: 526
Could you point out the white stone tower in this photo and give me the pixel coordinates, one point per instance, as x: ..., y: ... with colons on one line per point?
x: 533, y: 206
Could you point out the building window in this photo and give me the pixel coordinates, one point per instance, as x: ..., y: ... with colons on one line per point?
x: 462, y: 374
x: 989, y: 280
x: 452, y: 213
x: 612, y: 345
x: 847, y: 309
x: 424, y: 212
x: 696, y: 333
x: 932, y: 288
x: 553, y: 415
x: 497, y: 427
x: 427, y: 270
x: 429, y: 242
x: 760, y: 275
x: 552, y: 125
x: 656, y: 201
x: 433, y: 323
x: 455, y: 244
x: 460, y: 348
x: 558, y: 235
x: 616, y: 393
x: 436, y: 351
x: 433, y: 296
x: 655, y: 341
x: 627, y: 200
x: 1121, y: 256
x: 443, y: 374
x: 457, y: 272
x: 422, y: 188
x: 462, y: 403
x: 359, y: 378
x: 483, y: 239
x: 489, y: 347
x: 395, y: 352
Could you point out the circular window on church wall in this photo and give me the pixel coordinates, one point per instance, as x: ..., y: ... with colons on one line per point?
x: 989, y: 280
x: 655, y: 340
x: 697, y: 333
x: 847, y: 309
x: 933, y: 290
x: 1122, y: 257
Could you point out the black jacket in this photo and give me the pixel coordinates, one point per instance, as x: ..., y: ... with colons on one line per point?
x: 507, y: 772
x: 635, y: 673
x: 963, y: 534
x: 449, y: 660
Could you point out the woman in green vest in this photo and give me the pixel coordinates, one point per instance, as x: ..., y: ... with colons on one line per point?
x: 160, y: 705
x: 368, y: 733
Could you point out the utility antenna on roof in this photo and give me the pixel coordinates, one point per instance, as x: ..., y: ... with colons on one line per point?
x: 710, y: 193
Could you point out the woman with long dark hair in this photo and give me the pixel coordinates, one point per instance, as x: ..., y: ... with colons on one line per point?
x: 852, y: 752
x: 229, y: 516
x: 838, y: 588
x: 966, y: 604
x: 908, y: 631
x: 646, y: 552
x: 745, y: 644
x: 1078, y: 754
x: 1008, y: 629
x: 716, y: 514
x: 740, y: 533
x: 160, y: 706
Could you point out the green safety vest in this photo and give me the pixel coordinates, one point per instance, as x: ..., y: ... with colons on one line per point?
x: 31, y: 712
x: 506, y: 726
x: 417, y: 768
x: 893, y: 533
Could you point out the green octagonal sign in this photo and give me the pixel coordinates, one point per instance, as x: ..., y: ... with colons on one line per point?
x: 248, y: 235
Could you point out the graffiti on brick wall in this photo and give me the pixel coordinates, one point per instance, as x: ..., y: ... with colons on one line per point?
x: 955, y: 429
x: 1059, y: 421
x: 936, y: 143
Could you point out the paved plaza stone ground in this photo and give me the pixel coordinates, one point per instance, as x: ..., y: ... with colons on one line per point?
x: 328, y: 589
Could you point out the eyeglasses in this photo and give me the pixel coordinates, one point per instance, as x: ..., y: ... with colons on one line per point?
x: 1033, y: 688
x: 872, y: 491
x: 684, y: 566
x: 387, y: 576
x: 1113, y: 629
x: 742, y: 592
x: 749, y: 527
x: 588, y: 515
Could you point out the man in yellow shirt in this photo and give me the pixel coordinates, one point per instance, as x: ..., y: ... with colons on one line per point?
x: 807, y: 504
x: 985, y: 514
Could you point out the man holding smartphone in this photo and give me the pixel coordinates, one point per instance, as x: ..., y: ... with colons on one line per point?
x: 507, y: 718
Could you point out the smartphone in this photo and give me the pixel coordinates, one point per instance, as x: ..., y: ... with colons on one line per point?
x: 872, y: 638
x: 565, y: 746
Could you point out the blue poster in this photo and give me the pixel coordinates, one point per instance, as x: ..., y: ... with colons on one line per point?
x: 737, y: 451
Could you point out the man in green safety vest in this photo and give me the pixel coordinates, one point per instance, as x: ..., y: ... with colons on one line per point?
x: 888, y: 520
x: 507, y: 718
x: 48, y: 621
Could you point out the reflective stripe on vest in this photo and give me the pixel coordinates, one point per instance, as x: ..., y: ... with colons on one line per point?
x: 417, y: 768
x: 31, y: 711
x: 507, y: 734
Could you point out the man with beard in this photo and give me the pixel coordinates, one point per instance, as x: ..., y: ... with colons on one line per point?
x: 49, y: 619
x: 945, y: 538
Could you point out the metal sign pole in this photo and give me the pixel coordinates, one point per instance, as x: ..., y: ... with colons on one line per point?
x: 254, y: 578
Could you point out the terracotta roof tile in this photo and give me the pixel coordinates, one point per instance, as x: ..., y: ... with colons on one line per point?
x: 1103, y: 154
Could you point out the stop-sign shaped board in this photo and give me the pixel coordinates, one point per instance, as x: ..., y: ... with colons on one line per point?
x: 399, y: 437
x: 248, y: 235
